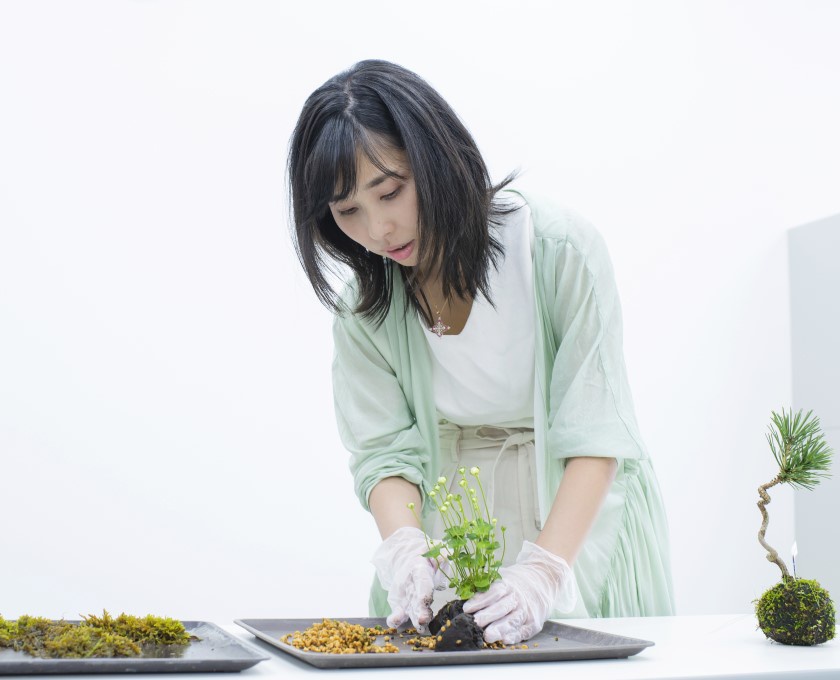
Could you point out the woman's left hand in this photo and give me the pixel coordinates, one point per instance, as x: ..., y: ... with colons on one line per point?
x: 516, y: 606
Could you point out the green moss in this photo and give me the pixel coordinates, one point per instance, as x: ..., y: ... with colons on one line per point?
x: 165, y: 631
x: 8, y: 632
x: 796, y: 612
x: 33, y: 625
x: 151, y: 630
x: 33, y: 631
x: 81, y: 642
x: 95, y: 636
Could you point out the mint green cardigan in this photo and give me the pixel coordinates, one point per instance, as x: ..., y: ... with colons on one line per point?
x: 582, y: 407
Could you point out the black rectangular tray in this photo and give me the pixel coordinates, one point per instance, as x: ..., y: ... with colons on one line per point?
x: 571, y: 644
x: 216, y: 650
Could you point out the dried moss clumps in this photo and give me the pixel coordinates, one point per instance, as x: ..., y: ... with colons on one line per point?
x: 796, y: 612
x: 330, y: 636
x: 339, y: 637
x: 105, y: 636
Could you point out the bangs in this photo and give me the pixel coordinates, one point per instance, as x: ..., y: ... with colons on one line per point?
x: 331, y: 171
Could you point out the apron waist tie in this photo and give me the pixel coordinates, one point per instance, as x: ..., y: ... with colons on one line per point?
x: 455, y: 439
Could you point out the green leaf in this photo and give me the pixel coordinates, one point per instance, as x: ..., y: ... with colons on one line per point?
x: 465, y: 591
x: 482, y: 582
x: 434, y: 552
x: 456, y: 531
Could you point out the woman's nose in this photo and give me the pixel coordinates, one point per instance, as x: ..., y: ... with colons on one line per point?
x: 380, y: 227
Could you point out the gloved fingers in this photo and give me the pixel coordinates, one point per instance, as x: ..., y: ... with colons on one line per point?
x: 397, y: 601
x: 407, y: 608
x: 514, y: 628
x: 554, y: 571
x: 530, y: 629
x: 421, y: 578
x: 496, y: 591
x: 420, y: 613
x: 420, y: 584
x: 496, y: 611
x: 418, y: 591
x: 420, y: 620
x: 509, y: 629
x: 518, y: 627
x: 404, y: 544
x: 396, y: 618
x: 411, y: 595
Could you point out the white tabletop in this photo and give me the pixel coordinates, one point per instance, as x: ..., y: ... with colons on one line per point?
x: 714, y: 647
x: 719, y: 647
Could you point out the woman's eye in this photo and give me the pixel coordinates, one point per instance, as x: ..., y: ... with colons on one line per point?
x: 393, y: 194
x: 347, y: 212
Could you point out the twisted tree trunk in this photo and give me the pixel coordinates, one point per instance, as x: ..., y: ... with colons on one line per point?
x: 772, y: 555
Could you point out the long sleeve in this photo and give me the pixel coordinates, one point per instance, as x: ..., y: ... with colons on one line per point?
x: 384, y: 406
x: 590, y: 407
x: 375, y: 420
x: 624, y: 566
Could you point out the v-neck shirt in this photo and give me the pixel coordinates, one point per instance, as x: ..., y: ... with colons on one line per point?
x: 484, y: 375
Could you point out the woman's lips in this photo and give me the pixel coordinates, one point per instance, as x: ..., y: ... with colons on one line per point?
x: 401, y: 253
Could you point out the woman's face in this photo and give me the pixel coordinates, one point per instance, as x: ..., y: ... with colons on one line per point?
x: 382, y: 214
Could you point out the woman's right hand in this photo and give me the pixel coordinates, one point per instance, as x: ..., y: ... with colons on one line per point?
x: 409, y: 578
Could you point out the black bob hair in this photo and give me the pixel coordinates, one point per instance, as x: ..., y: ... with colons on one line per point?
x: 374, y: 106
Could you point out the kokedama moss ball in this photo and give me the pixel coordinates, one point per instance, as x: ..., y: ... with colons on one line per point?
x: 796, y: 612
x: 446, y: 613
x: 460, y: 634
x: 456, y: 631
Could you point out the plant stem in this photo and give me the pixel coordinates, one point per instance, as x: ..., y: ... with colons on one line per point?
x: 772, y: 555
x: 483, y: 497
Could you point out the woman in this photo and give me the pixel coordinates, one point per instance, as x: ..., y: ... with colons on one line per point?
x: 481, y: 327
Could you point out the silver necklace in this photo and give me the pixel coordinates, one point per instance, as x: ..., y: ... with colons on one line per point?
x: 439, y: 328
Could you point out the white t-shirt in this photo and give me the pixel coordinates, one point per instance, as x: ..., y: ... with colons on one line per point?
x: 485, y: 374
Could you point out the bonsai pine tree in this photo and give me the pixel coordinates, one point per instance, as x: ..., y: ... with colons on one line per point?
x: 795, y: 611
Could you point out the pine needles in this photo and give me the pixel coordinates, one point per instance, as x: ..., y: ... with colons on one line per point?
x: 803, y: 456
x: 799, y: 448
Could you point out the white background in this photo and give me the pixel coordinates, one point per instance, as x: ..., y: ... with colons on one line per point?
x: 167, y: 441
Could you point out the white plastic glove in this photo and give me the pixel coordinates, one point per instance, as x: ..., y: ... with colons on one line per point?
x: 409, y: 578
x: 516, y: 606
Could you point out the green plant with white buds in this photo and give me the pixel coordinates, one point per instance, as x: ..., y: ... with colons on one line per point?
x: 469, y: 539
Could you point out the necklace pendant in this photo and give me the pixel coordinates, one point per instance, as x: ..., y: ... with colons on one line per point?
x: 439, y: 328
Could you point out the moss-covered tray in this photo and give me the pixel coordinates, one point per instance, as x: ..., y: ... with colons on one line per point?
x: 211, y: 649
x: 556, y: 642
